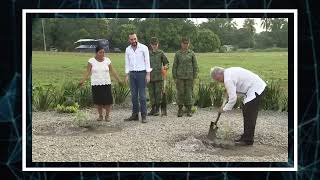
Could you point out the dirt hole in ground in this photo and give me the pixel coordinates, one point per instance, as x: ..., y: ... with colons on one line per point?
x: 192, y: 143
x: 201, y: 144
x: 73, y: 130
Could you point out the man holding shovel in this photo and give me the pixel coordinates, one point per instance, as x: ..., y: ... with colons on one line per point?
x: 240, y: 81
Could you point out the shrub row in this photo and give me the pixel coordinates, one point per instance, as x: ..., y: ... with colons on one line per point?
x: 46, y: 97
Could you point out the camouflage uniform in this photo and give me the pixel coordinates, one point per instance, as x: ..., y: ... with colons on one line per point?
x: 156, y: 89
x: 184, y: 71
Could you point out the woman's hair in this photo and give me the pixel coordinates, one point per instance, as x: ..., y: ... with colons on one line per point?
x: 98, y: 48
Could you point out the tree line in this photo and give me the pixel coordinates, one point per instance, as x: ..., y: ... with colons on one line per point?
x: 209, y: 36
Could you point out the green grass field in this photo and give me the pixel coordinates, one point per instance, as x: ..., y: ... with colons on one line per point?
x: 58, y: 67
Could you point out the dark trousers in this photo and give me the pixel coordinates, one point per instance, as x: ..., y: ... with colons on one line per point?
x: 250, y: 114
x: 138, y: 92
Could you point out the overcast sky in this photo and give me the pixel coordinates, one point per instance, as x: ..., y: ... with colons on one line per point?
x: 239, y: 22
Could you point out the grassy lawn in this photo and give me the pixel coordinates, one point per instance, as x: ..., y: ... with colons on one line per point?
x: 55, y: 68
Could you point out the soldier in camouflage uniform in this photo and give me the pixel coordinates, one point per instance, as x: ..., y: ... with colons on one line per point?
x: 184, y: 72
x: 156, y: 90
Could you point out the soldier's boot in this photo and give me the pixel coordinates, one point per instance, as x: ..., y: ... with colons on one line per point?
x: 152, y: 110
x: 180, y: 111
x: 189, y: 113
x: 163, y: 110
x: 156, y: 111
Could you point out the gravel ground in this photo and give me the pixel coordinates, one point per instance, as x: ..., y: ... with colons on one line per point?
x: 56, y: 138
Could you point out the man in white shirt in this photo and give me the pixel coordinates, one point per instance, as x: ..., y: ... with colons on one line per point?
x: 240, y: 81
x: 137, y: 68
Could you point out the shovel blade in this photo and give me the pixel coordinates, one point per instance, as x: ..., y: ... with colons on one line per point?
x: 212, y: 134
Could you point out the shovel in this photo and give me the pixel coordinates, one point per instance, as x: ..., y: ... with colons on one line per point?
x: 212, y: 134
x: 213, y: 129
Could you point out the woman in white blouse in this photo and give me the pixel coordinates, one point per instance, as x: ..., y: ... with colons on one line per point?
x: 99, y: 67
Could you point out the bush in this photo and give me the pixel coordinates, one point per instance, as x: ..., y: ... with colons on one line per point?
x: 222, y: 49
x: 67, y: 90
x: 270, y: 100
x: 217, y: 93
x: 203, y: 99
x: 120, y: 93
x: 81, y: 118
x: 69, y: 101
x: 283, y: 103
x: 206, y: 41
x: 70, y: 91
x: 194, y: 109
x: 84, y: 96
x: 170, y: 91
x: 43, y: 97
x: 67, y: 109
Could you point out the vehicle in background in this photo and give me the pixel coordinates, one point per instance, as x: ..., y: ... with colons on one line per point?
x: 89, y: 45
x: 53, y: 49
x: 116, y: 50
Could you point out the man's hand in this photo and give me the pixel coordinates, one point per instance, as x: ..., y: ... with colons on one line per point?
x: 148, y: 77
x: 126, y: 78
x: 81, y: 83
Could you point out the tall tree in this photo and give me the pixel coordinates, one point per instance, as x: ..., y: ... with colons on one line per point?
x: 224, y: 27
x: 206, y: 41
x: 248, y: 25
x: 265, y: 23
x: 37, y: 36
x: 244, y: 39
x: 279, y: 31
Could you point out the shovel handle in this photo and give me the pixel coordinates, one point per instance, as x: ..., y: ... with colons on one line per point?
x: 217, y: 118
x: 223, y: 103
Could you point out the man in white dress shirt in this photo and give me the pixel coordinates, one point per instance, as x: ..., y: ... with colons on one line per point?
x: 137, y: 68
x: 240, y: 81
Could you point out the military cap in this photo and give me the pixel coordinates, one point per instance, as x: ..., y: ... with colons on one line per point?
x: 154, y: 40
x: 185, y: 40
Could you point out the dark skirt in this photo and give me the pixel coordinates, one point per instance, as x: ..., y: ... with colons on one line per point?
x: 102, y: 95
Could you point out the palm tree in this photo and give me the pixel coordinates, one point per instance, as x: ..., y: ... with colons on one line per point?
x: 278, y: 24
x: 266, y: 23
x: 249, y: 25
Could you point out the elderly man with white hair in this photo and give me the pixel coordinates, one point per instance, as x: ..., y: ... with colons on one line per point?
x: 241, y: 81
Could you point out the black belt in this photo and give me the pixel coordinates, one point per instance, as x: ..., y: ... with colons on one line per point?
x: 138, y: 71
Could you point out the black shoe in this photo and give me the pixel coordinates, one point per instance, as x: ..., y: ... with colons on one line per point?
x: 143, y: 119
x: 243, y: 143
x: 180, y: 111
x: 163, y: 110
x: 156, y: 111
x: 133, y: 117
x: 152, y: 110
